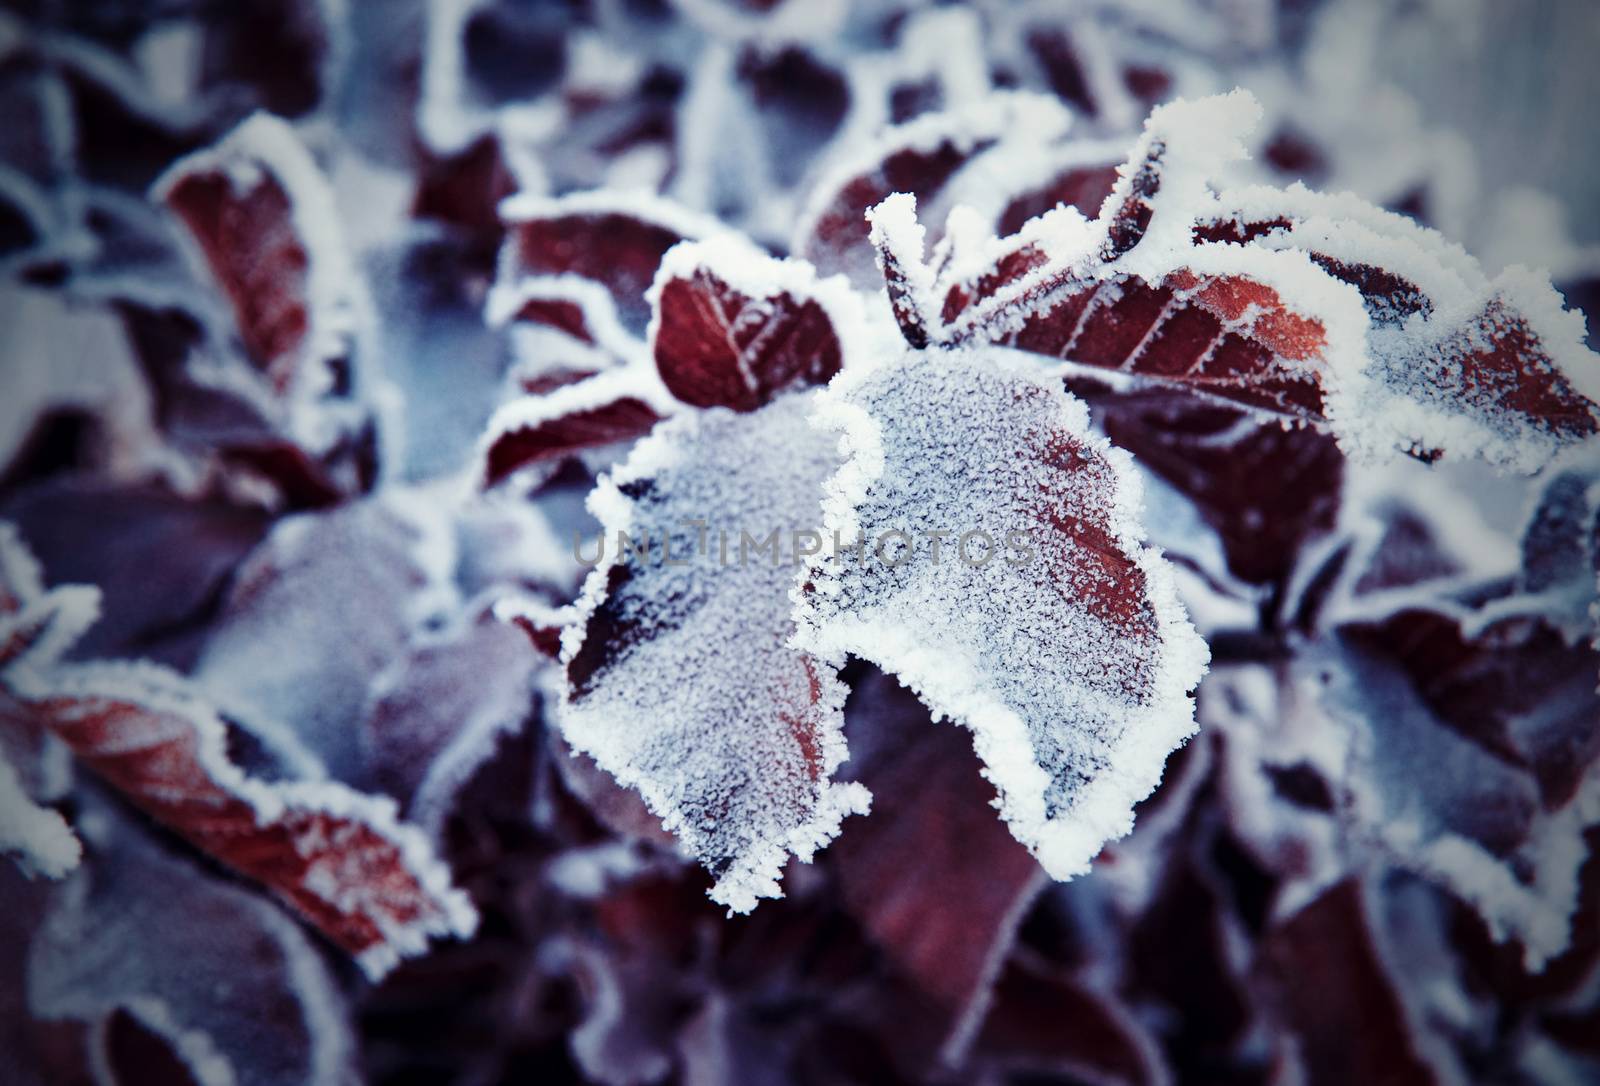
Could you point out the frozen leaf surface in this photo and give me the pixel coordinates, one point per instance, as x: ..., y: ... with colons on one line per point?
x: 236, y: 990
x: 595, y: 413
x: 680, y: 681
x: 262, y: 217
x: 1003, y: 579
x: 1320, y: 309
x: 318, y: 610
x: 1503, y: 716
x: 339, y: 858
x: 923, y: 158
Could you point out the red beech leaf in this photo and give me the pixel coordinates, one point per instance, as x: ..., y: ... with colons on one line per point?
x: 1283, y: 302
x: 735, y: 328
x: 593, y: 413
x: 921, y: 158
x: 263, y: 219
x: 1501, y: 707
x: 1266, y: 489
x: 338, y: 858
x: 617, y: 242
x: 933, y: 875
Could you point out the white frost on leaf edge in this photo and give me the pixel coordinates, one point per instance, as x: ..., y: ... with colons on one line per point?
x: 37, y: 838
x: 338, y: 308
x: 757, y: 873
x: 1104, y: 810
x: 1014, y: 118
x: 166, y: 692
x: 1370, y: 419
x: 748, y: 270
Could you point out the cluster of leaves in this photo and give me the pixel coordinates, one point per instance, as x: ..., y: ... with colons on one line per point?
x: 325, y: 755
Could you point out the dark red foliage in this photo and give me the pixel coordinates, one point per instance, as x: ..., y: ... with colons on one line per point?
x: 1333, y: 991
x: 718, y: 347
x: 555, y: 438
x: 614, y: 247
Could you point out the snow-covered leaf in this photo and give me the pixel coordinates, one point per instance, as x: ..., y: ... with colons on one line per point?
x: 732, y: 327
x: 1503, y: 716
x: 318, y: 610
x: 922, y: 158
x: 679, y: 679
x: 437, y: 712
x: 593, y: 413
x: 339, y: 858
x: 1267, y: 490
x: 1319, y: 309
x: 236, y: 991
x: 261, y: 217
x: 1002, y: 578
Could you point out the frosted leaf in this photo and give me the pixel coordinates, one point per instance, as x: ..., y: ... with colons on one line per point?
x: 729, y: 326
x: 1045, y: 625
x: 1503, y: 717
x: 732, y: 327
x: 1456, y: 360
x: 1131, y: 291
x: 37, y: 838
x: 262, y: 219
x: 679, y: 679
x: 1321, y: 309
x: 561, y: 329
x: 235, y: 989
x: 590, y: 414
x: 316, y: 611
x: 920, y: 158
x: 1081, y: 175
x: 1267, y: 490
x: 616, y: 241
x: 437, y: 712
x: 339, y: 858
x: 279, y: 383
